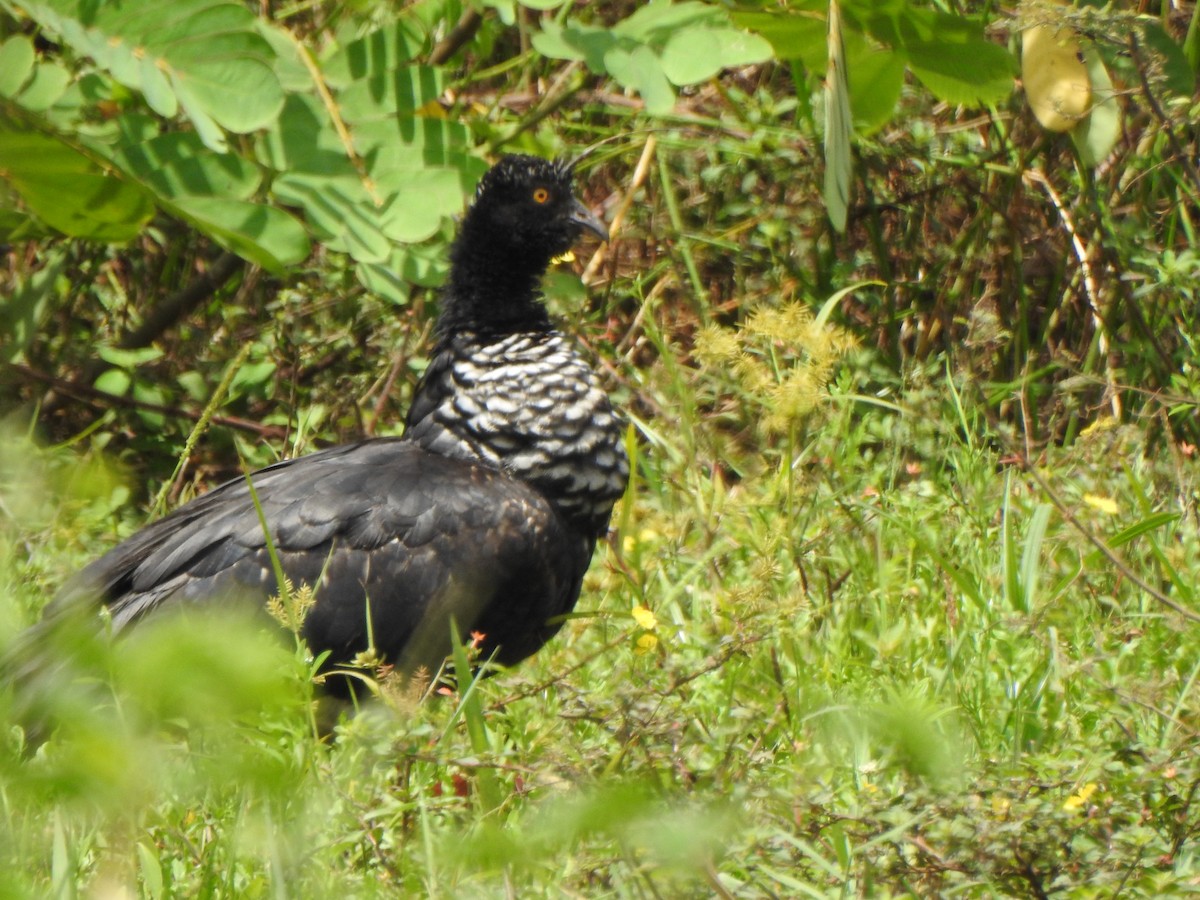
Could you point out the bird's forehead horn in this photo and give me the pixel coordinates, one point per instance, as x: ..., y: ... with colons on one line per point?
x: 521, y: 169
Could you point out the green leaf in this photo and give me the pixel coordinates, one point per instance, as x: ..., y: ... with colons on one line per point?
x: 178, y: 164
x: 839, y: 167
x: 582, y: 43
x: 697, y: 54
x: 642, y: 71
x: 793, y: 35
x: 401, y: 90
x: 657, y: 22
x: 1152, y: 522
x: 419, y: 201
x: 68, y: 191
x: 1098, y: 132
x: 1177, y: 71
x: 380, y: 51
x: 114, y: 381
x: 205, y: 56
x: 128, y: 359
x: 43, y: 90
x: 26, y: 306
x: 972, y: 73
x: 876, y: 78
x: 254, y: 231
x: 16, y: 64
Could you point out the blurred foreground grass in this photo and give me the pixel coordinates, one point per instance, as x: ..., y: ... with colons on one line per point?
x: 879, y: 661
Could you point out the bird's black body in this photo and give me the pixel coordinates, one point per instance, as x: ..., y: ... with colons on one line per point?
x: 487, y: 509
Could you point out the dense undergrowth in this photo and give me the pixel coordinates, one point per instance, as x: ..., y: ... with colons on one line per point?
x: 902, y: 601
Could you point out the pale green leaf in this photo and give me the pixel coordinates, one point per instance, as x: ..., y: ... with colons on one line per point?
x: 1098, y: 132
x: 971, y: 73
x: 699, y: 53
x: 838, y: 127
x: 876, y: 78
x: 16, y: 64
x: 114, y: 381
x: 373, y: 54
x: 792, y: 35
x: 642, y: 71
x: 43, y: 90
x: 69, y: 192
x: 254, y: 231
x: 657, y: 22
x: 177, y: 164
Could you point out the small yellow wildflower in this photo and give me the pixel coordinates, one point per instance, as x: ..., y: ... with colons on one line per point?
x: 1077, y: 801
x: 645, y: 643
x: 1104, y: 504
x: 645, y: 618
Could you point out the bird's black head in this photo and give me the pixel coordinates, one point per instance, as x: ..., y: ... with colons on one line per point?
x: 525, y: 214
x: 529, y: 203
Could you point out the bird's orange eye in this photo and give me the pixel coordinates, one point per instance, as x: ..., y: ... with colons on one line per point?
x: 541, y: 195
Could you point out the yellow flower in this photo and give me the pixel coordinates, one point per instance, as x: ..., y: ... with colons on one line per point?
x: 645, y: 643
x: 645, y: 618
x: 1079, y: 799
x: 1104, y: 504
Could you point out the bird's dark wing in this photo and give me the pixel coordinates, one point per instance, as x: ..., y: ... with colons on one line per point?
x: 383, y: 526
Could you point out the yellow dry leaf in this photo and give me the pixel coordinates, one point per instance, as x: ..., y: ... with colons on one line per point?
x: 1055, y: 76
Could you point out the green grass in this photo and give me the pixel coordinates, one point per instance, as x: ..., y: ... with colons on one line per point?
x: 922, y: 680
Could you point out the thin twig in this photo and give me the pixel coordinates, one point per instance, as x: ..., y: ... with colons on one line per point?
x: 462, y: 32
x: 639, y: 177
x: 335, y: 117
x: 182, y: 302
x: 1095, y: 303
x: 104, y: 400
x: 1111, y: 555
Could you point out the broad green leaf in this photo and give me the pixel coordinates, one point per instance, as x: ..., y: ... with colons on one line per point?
x: 876, y: 78
x: 506, y: 10
x: 1177, y: 71
x: 380, y: 51
x: 699, y: 53
x: 1098, y: 132
x: 384, y: 279
x: 972, y: 73
x: 419, y: 201
x: 657, y: 22
x: 205, y: 56
x: 793, y: 35
x: 401, y: 90
x: 580, y: 42
x: 839, y: 166
x: 16, y: 64
x: 178, y: 164
x: 44, y: 89
x: 542, y: 4
x: 68, y: 191
x: 1191, y: 41
x: 900, y: 24
x: 254, y: 231
x: 642, y: 71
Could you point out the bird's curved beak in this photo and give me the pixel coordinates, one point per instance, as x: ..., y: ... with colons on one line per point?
x: 585, y: 218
